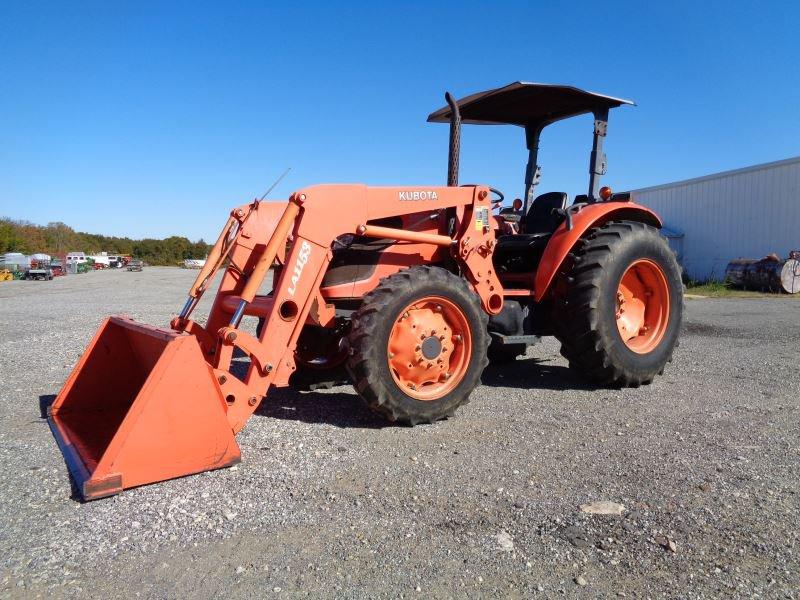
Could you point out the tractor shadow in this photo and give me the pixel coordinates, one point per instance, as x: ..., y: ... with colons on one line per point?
x: 340, y: 409
x: 534, y: 373
x: 343, y: 408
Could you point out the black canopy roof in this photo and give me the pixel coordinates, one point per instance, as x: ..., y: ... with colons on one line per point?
x: 522, y: 103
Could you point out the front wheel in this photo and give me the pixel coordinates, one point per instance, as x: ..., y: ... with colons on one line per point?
x: 619, y: 305
x: 418, y: 345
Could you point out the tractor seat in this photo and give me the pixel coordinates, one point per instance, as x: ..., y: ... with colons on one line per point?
x: 521, y: 252
x: 538, y: 223
x: 540, y: 217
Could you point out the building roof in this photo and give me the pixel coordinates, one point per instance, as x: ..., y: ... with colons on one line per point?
x: 720, y: 175
x: 522, y: 103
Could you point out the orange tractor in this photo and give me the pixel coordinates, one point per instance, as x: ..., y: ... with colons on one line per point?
x: 411, y: 289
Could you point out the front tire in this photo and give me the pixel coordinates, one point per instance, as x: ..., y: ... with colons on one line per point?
x: 619, y: 305
x: 418, y: 345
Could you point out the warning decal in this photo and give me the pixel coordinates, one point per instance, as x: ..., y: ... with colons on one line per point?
x: 481, y: 218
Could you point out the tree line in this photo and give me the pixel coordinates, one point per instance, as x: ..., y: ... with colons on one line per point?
x: 57, y: 238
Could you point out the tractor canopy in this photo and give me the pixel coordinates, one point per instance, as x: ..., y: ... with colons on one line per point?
x: 533, y: 106
x: 527, y: 104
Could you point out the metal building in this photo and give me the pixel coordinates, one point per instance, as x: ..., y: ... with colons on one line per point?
x: 745, y: 213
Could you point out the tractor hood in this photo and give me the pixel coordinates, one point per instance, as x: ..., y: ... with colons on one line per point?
x: 527, y: 104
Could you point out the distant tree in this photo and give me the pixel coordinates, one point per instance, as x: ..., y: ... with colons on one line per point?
x: 58, y: 238
x: 10, y: 238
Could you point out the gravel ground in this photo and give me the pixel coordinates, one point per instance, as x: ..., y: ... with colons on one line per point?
x: 329, y: 501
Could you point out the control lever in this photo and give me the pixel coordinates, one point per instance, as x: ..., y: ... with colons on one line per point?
x: 567, y: 213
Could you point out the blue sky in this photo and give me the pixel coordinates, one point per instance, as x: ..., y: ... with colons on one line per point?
x: 153, y: 119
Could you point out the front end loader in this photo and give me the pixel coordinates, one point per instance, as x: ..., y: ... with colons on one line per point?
x: 408, y: 290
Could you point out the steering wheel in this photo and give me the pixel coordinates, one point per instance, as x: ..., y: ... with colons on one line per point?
x: 497, y: 203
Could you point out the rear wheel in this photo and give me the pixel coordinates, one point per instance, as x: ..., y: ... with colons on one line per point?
x: 619, y: 306
x: 418, y: 345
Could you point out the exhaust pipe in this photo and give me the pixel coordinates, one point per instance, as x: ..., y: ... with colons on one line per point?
x: 455, y: 141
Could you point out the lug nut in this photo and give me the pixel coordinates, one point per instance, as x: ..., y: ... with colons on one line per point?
x: 252, y: 401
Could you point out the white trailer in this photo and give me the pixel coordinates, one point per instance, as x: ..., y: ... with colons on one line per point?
x: 101, y: 259
x: 76, y: 257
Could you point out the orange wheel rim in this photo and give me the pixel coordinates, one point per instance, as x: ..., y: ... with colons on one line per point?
x: 642, y: 308
x: 429, y: 348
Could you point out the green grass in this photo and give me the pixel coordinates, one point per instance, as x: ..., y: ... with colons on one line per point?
x: 718, y: 289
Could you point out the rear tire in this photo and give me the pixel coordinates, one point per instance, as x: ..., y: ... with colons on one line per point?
x: 590, y: 320
x: 410, y: 379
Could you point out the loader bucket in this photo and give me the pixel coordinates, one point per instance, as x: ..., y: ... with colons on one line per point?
x: 142, y: 405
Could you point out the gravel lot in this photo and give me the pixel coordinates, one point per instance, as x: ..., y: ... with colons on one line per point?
x: 328, y: 501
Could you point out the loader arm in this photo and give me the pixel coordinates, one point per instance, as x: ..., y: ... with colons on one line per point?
x: 312, y: 219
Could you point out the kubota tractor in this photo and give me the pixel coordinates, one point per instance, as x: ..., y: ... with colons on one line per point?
x: 410, y: 288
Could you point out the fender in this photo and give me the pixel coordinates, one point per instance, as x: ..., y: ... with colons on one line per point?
x: 592, y: 215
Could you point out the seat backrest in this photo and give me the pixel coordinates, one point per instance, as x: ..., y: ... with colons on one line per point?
x: 540, y: 217
x: 510, y: 215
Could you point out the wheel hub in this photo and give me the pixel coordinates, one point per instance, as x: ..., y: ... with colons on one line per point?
x: 431, y: 347
x: 642, y: 306
x: 427, y: 355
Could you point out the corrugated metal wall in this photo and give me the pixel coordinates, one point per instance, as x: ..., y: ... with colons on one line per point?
x: 746, y: 213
